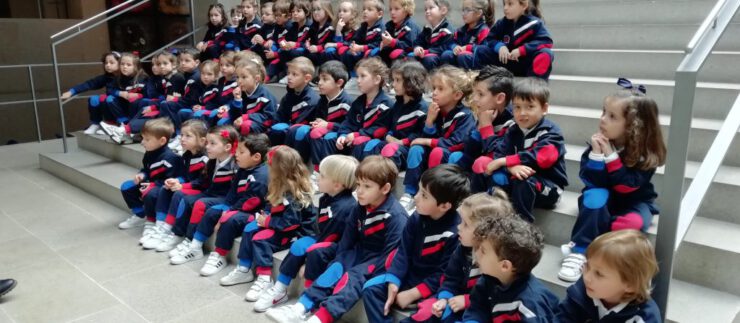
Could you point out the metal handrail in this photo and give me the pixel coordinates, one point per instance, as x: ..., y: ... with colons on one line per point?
x: 81, y: 23
x: 156, y: 51
x: 679, y: 211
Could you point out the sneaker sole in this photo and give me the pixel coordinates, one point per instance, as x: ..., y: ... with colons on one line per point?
x: 111, y: 135
x: 568, y: 279
x: 186, y: 261
x: 237, y: 283
x: 9, y: 289
x: 283, y: 300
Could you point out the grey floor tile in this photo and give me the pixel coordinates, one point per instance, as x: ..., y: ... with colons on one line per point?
x: 165, y: 292
x: 42, y: 178
x: 10, y: 230
x: 19, y: 254
x: 230, y: 309
x: 54, y: 291
x: 4, y: 318
x: 23, y: 201
x: 60, y: 227
x: 115, y: 314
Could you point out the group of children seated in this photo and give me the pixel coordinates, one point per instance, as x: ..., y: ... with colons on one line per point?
x: 224, y: 158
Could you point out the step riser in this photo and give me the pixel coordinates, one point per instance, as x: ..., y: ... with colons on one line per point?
x: 708, y: 267
x: 105, y: 147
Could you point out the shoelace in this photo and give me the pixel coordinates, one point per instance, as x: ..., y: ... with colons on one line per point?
x: 574, y: 261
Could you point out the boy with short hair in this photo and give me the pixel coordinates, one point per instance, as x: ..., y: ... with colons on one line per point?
x: 374, y: 230
x: 283, y: 24
x: 429, y: 238
x: 530, y: 159
x: 159, y: 164
x: 297, y: 106
x: 367, y: 38
x: 506, y: 250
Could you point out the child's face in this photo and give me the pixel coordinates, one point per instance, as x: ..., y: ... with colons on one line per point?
x: 190, y: 141
x: 398, y: 84
x: 398, y: 13
x: 371, y: 193
x: 367, y: 82
x: 513, y: 9
x: 328, y: 86
x: 466, y: 227
x: 433, y: 12
x: 152, y: 143
x: 296, y: 79
x: 165, y: 66
x: 603, y: 282
x: 327, y: 185
x: 187, y: 63
x: 443, y: 94
x: 612, y: 123
x: 155, y: 67
x: 245, y: 158
x: 247, y: 10
x: 246, y: 81
x: 345, y: 11
x: 127, y: 66
x: 318, y: 12
x: 216, y: 148
x: 207, y: 76
x: 236, y: 18
x: 528, y: 114
x: 298, y: 15
x: 267, y: 16
x: 470, y: 13
x: 111, y: 64
x: 227, y: 68
x: 215, y: 17
x: 488, y: 261
x: 427, y: 205
x: 282, y: 17
x: 485, y: 100
x: 371, y: 13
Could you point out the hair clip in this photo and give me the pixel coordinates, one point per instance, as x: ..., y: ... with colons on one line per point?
x: 272, y: 152
x: 116, y: 54
x: 135, y: 53
x: 627, y: 84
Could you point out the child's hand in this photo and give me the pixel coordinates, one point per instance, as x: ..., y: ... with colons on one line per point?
x: 330, y: 45
x: 268, y: 43
x: 269, y: 54
x: 344, y: 141
x: 144, y: 186
x: 123, y: 95
x: 495, y: 165
x: 596, y: 144
x: 170, y: 98
x: 438, y: 308
x: 422, y: 142
x: 515, y: 54
x: 257, y: 39
x: 521, y: 172
x: 405, y: 298
x: 319, y: 123
x: 419, y: 52
x: 146, y: 109
x: 237, y: 93
x: 260, y: 220
x: 392, y: 292
x: 432, y: 113
x: 201, y: 46
x: 357, y: 48
x: 138, y: 178
x: 283, y: 45
x: 168, y: 183
x: 238, y: 122
x: 340, y: 25
x: 197, y: 108
x: 486, y: 117
x: 387, y: 38
x: 458, y: 49
x: 313, y: 49
x: 66, y: 95
x: 503, y: 54
x: 391, y: 139
x: 222, y: 110
x: 606, y: 147
x: 457, y: 303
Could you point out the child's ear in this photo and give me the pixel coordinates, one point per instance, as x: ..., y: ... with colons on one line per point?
x: 257, y: 157
x: 545, y: 107
x: 163, y: 140
x: 458, y: 95
x: 507, y: 266
x: 378, y: 80
x: 500, y: 98
x: 386, y: 188
x: 443, y: 10
x: 308, y: 77
x: 446, y: 206
x: 340, y: 82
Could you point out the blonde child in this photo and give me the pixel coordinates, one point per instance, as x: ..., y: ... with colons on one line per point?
x: 321, y: 32
x: 477, y: 16
x: 437, y: 35
x: 400, y: 32
x: 253, y: 108
x: 345, y: 28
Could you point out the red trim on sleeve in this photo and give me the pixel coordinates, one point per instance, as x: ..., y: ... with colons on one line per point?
x: 434, y: 143
x: 467, y: 300
x: 393, y: 43
x: 323, y: 315
x: 614, y: 165
x: 267, y: 221
x: 522, y: 51
x: 513, y: 160
x: 486, y: 131
x: 424, y: 290
x: 405, y: 141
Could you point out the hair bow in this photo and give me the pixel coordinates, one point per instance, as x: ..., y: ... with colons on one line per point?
x: 135, y: 53
x: 225, y: 134
x: 627, y: 84
x: 272, y: 153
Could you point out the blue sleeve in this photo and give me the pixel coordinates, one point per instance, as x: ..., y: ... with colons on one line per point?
x: 178, y: 84
x: 545, y: 153
x: 541, y: 38
x: 394, y: 232
x: 283, y: 111
x: 406, y: 42
x: 399, y: 258
x: 568, y: 311
x: 592, y: 172
x: 95, y: 83
x: 380, y: 126
x: 463, y: 125
x: 496, y: 36
x: 421, y: 39
x: 625, y: 179
x: 432, y: 281
x: 455, y: 276
x: 288, y: 220
x: 235, y: 109
x: 479, y: 310
x: 350, y: 123
x: 349, y: 237
x: 445, y: 42
x: 173, y: 169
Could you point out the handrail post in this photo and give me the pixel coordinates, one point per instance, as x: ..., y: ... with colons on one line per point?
x: 59, y: 96
x: 35, y: 104
x: 192, y: 21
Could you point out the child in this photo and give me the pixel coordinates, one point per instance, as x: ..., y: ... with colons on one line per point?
x: 202, y: 97
x: 246, y: 196
x: 107, y: 79
x: 331, y: 110
x: 283, y: 25
x: 345, y: 28
x: 172, y: 87
x: 118, y: 106
x: 253, y: 108
x: 368, y: 117
x: 266, y: 32
x: 437, y: 36
x: 294, y: 44
x: 400, y: 32
x: 477, y: 16
x: 366, y: 41
x: 251, y: 24
x: 462, y: 271
x: 159, y: 164
x: 409, y: 112
x: 492, y: 93
x: 616, y: 283
x: 217, y: 21
x: 530, y: 159
x: 282, y: 220
x: 374, y: 230
x: 189, y: 60
x: 520, y: 42
x: 232, y: 38
x: 506, y: 250
x: 321, y: 32
x: 194, y: 161
x: 297, y: 106
x: 191, y: 202
x: 616, y: 171
x: 336, y: 182
x: 429, y: 238
x: 447, y: 126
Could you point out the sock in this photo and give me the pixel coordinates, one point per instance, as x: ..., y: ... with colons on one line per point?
x: 280, y: 287
x: 196, y: 244
x: 242, y: 268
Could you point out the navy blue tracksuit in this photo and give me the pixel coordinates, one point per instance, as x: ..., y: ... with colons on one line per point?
x: 213, y: 50
x: 406, y: 125
x: 318, y: 250
x: 367, y: 36
x: 369, y: 238
x: 246, y: 196
x: 525, y: 300
x: 615, y: 197
x: 284, y: 223
x: 257, y: 111
x: 528, y: 35
x: 449, y: 134
x: 295, y: 109
x: 319, y: 35
x: 198, y: 94
x: 279, y: 34
x: 118, y: 109
x: 107, y: 81
x: 342, y: 42
x: 171, y: 85
x: 193, y: 166
x: 333, y: 112
x: 366, y: 120
x: 578, y: 307
x: 248, y: 30
x: 225, y: 98
x: 191, y: 91
x: 460, y: 276
x: 543, y: 149
x: 480, y: 148
x: 419, y: 262
x: 435, y: 40
x: 466, y: 37
x: 158, y: 165
x: 300, y: 35
x: 403, y: 35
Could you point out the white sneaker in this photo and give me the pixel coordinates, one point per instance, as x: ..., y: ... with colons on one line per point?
x: 191, y: 254
x: 260, y: 286
x: 213, y: 265
x: 351, y: 84
x: 283, y: 80
x: 100, y: 132
x: 270, y: 298
x: 285, y: 314
x: 168, y: 241
x: 315, y: 182
x: 239, y: 275
x: 154, y: 238
x: 132, y: 222
x: 567, y: 248
x: 92, y: 129
x: 175, y: 144
x: 116, y: 133
x: 572, y: 267
x: 181, y: 247
x: 148, y: 230
x: 407, y: 201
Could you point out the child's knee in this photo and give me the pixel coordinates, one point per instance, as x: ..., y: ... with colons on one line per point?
x: 127, y: 185
x: 595, y: 198
x: 628, y: 221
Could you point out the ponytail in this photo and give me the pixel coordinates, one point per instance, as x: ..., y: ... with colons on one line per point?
x: 489, y: 12
x: 535, y: 9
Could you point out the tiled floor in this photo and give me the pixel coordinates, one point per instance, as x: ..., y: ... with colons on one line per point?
x: 73, y: 264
